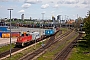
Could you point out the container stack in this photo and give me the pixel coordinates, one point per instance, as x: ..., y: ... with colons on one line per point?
x: 7, y: 34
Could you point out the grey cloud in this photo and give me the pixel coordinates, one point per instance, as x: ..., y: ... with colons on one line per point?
x: 56, y: 6
x: 68, y: 2
x: 60, y: 2
x: 33, y: 1
x: 26, y: 5
x: 11, y: 0
x: 87, y: 6
x: 45, y: 6
x: 84, y: 2
x: 71, y: 2
x: 4, y: 0
x: 77, y: 6
x: 51, y: 2
x: 21, y: 11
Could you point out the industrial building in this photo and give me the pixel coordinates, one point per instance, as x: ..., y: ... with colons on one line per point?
x: 22, y: 17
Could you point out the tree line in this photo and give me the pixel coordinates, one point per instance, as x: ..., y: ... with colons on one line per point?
x: 87, y: 29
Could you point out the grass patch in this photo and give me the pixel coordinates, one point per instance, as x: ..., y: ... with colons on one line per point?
x: 78, y: 54
x: 6, y: 48
x: 57, y: 34
x: 64, y: 30
x: 15, y: 57
x: 81, y: 52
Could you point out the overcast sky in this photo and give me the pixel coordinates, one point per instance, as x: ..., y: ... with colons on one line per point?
x: 34, y: 8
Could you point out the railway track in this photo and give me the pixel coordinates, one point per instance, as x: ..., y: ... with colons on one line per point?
x: 64, y: 53
x: 51, y: 41
x: 6, y: 53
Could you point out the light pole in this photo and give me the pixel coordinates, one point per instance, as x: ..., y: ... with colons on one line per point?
x: 69, y: 20
x: 10, y: 31
x: 88, y: 13
x: 65, y: 21
x: 43, y: 16
x: 60, y: 20
x: 35, y: 42
x: 42, y: 23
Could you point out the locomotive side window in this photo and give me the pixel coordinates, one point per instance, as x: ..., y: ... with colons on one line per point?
x: 26, y: 34
x: 22, y: 35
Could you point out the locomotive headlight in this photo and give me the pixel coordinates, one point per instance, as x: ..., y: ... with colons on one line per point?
x: 15, y: 43
x: 48, y: 31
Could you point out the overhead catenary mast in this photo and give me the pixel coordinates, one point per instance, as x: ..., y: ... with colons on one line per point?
x: 10, y: 30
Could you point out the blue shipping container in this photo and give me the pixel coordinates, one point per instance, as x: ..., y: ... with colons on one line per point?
x: 49, y: 32
x: 3, y: 28
x: 0, y: 34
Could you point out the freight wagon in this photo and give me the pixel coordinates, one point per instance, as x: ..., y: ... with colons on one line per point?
x: 49, y: 32
x: 35, y: 35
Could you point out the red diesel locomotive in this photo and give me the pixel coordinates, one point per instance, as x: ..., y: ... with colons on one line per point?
x: 23, y: 39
